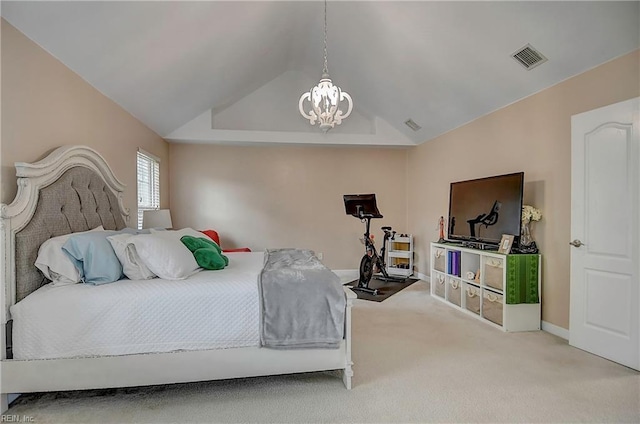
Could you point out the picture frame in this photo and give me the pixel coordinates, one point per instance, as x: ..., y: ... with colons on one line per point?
x: 506, y: 243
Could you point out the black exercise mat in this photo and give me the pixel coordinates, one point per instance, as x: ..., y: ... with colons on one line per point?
x: 385, y: 288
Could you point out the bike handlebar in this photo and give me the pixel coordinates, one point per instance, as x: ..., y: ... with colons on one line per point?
x: 368, y: 215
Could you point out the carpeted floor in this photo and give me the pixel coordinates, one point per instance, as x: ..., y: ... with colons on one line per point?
x: 385, y: 288
x: 416, y: 360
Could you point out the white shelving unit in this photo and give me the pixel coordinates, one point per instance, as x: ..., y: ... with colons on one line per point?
x: 400, y: 256
x: 479, y: 286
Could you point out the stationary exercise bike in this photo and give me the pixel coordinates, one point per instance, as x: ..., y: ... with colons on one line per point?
x: 363, y: 207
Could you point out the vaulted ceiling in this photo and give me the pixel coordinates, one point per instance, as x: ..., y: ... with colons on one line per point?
x: 232, y: 72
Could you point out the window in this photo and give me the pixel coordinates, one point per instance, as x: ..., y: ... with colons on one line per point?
x: 148, y: 183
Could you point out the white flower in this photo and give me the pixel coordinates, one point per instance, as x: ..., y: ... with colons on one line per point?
x: 529, y: 213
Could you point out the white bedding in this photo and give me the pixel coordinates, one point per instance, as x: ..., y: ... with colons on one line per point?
x: 209, y: 310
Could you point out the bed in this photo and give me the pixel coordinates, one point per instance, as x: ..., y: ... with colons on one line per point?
x: 74, y: 190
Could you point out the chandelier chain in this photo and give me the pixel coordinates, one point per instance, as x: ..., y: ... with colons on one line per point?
x: 326, y: 68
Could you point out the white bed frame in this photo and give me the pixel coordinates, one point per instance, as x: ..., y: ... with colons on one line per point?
x: 23, y: 376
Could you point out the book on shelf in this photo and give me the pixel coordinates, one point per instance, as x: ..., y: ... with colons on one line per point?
x: 456, y: 263
x: 453, y: 263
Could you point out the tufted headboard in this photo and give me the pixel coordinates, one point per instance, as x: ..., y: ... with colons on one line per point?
x: 72, y: 189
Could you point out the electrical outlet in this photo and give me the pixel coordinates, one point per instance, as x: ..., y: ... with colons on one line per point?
x: 320, y: 255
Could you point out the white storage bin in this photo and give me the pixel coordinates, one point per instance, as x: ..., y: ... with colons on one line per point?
x: 453, y: 291
x: 439, y: 285
x: 492, y: 306
x: 493, y: 273
x: 472, y: 298
x: 439, y: 256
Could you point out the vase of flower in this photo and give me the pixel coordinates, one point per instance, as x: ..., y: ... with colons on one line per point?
x: 529, y: 215
x: 525, y: 234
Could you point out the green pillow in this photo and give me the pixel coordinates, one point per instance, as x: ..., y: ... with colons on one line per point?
x: 207, y: 253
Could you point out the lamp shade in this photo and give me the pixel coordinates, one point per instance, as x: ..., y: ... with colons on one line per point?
x: 160, y: 218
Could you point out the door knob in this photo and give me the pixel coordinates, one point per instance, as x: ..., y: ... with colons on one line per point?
x: 576, y: 243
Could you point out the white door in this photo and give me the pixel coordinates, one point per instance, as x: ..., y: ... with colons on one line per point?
x: 605, y: 198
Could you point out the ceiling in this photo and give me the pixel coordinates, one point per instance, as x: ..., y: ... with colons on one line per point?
x: 232, y: 72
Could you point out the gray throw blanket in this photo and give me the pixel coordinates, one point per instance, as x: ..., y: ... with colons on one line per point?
x: 302, y: 303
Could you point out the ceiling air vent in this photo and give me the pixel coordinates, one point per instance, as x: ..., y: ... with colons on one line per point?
x: 409, y: 123
x: 529, y: 57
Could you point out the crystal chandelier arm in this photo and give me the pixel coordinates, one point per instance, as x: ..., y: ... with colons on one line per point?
x: 305, y: 96
x: 344, y: 95
x: 312, y: 116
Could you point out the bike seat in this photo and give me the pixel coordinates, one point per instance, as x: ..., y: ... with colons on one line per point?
x: 385, y: 228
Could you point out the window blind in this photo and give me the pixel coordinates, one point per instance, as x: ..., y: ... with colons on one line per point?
x: 148, y: 184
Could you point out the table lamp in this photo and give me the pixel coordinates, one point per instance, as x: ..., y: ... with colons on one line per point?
x: 160, y: 218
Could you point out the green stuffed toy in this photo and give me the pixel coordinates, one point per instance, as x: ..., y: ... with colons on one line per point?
x: 206, y: 252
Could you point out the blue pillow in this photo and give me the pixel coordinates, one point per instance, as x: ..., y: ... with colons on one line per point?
x: 93, y: 256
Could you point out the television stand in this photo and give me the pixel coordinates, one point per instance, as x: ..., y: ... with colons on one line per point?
x: 501, y: 290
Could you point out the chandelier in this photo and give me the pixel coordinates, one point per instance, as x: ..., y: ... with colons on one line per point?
x: 325, y: 97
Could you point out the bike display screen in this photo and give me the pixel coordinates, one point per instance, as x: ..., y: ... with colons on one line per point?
x: 353, y: 203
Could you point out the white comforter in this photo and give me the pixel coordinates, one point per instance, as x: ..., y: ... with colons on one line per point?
x: 209, y: 310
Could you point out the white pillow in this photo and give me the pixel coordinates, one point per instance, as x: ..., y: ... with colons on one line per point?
x: 55, y: 264
x: 132, y: 266
x: 165, y: 256
x: 176, y: 234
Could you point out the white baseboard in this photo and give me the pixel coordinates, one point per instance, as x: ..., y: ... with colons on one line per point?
x: 555, y: 330
x: 422, y: 276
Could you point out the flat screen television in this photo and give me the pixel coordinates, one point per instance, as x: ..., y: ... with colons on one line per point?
x: 484, y: 209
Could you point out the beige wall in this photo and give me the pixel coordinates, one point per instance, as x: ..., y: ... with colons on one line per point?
x: 267, y: 197
x: 534, y: 136
x: 46, y: 105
